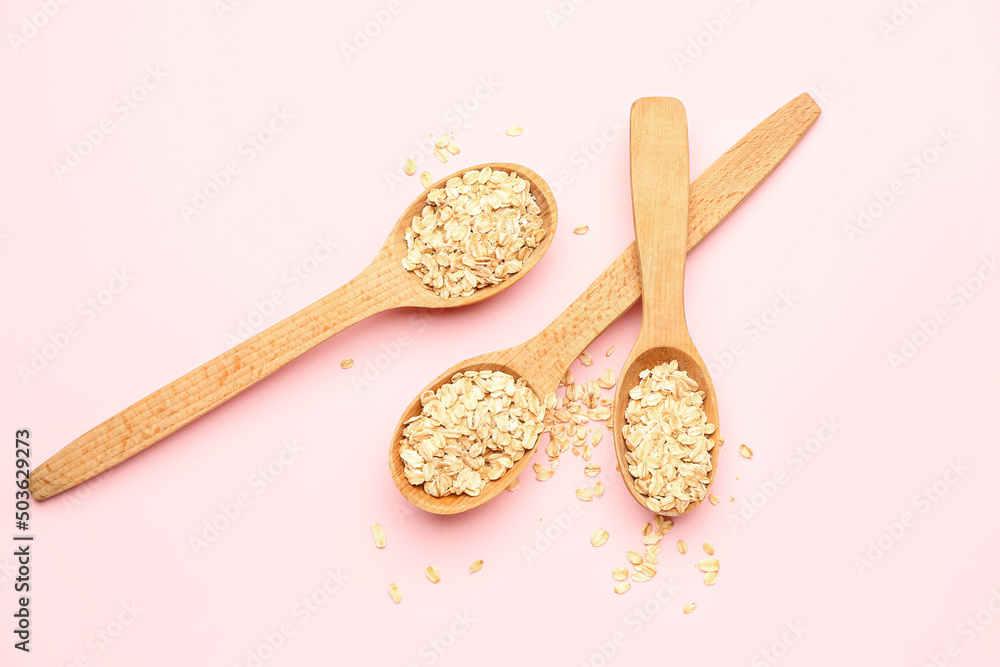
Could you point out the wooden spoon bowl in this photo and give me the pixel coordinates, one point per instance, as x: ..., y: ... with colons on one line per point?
x: 694, y: 366
x: 408, y: 283
x: 455, y: 503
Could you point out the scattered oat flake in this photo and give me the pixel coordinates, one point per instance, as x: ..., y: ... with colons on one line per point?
x: 619, y: 574
x: 433, y: 574
x: 347, y: 363
x: 714, y: 499
x: 633, y: 557
x: 514, y: 484
x: 378, y: 535
x: 585, y: 359
x: 732, y: 499
x: 410, y: 167
x: 599, y: 538
x: 688, y: 608
x: 709, y: 565
x: 453, y: 148
x: 441, y: 155
x: 662, y: 525
x: 651, y: 539
x: 711, y: 578
x: 709, y: 549
x: 598, y: 489
x: 581, y: 229
x: 426, y: 179
x: 544, y: 475
x: 598, y: 435
x: 442, y: 141
x: 622, y: 588
x: 584, y: 494
x: 476, y: 567
x: 611, y: 350
x: 682, y: 546
x: 607, y: 379
x: 592, y: 470
x: 639, y: 576
x: 514, y: 131
x: 394, y: 593
x: 746, y: 452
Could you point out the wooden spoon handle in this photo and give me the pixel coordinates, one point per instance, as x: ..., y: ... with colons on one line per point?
x: 378, y: 287
x: 713, y: 196
x: 658, y: 152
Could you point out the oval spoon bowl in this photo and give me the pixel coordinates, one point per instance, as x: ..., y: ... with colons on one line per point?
x: 629, y: 378
x: 395, y: 245
x: 455, y: 503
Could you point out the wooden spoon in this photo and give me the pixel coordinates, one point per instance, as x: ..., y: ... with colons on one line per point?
x: 382, y: 285
x: 542, y: 360
x: 659, y: 158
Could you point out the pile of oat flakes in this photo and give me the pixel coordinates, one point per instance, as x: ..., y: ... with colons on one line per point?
x: 475, y: 232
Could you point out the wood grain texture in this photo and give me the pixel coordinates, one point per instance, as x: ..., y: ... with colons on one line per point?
x: 543, y: 359
x: 658, y: 150
x: 382, y: 285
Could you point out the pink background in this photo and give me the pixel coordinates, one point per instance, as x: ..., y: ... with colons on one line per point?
x: 334, y: 173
